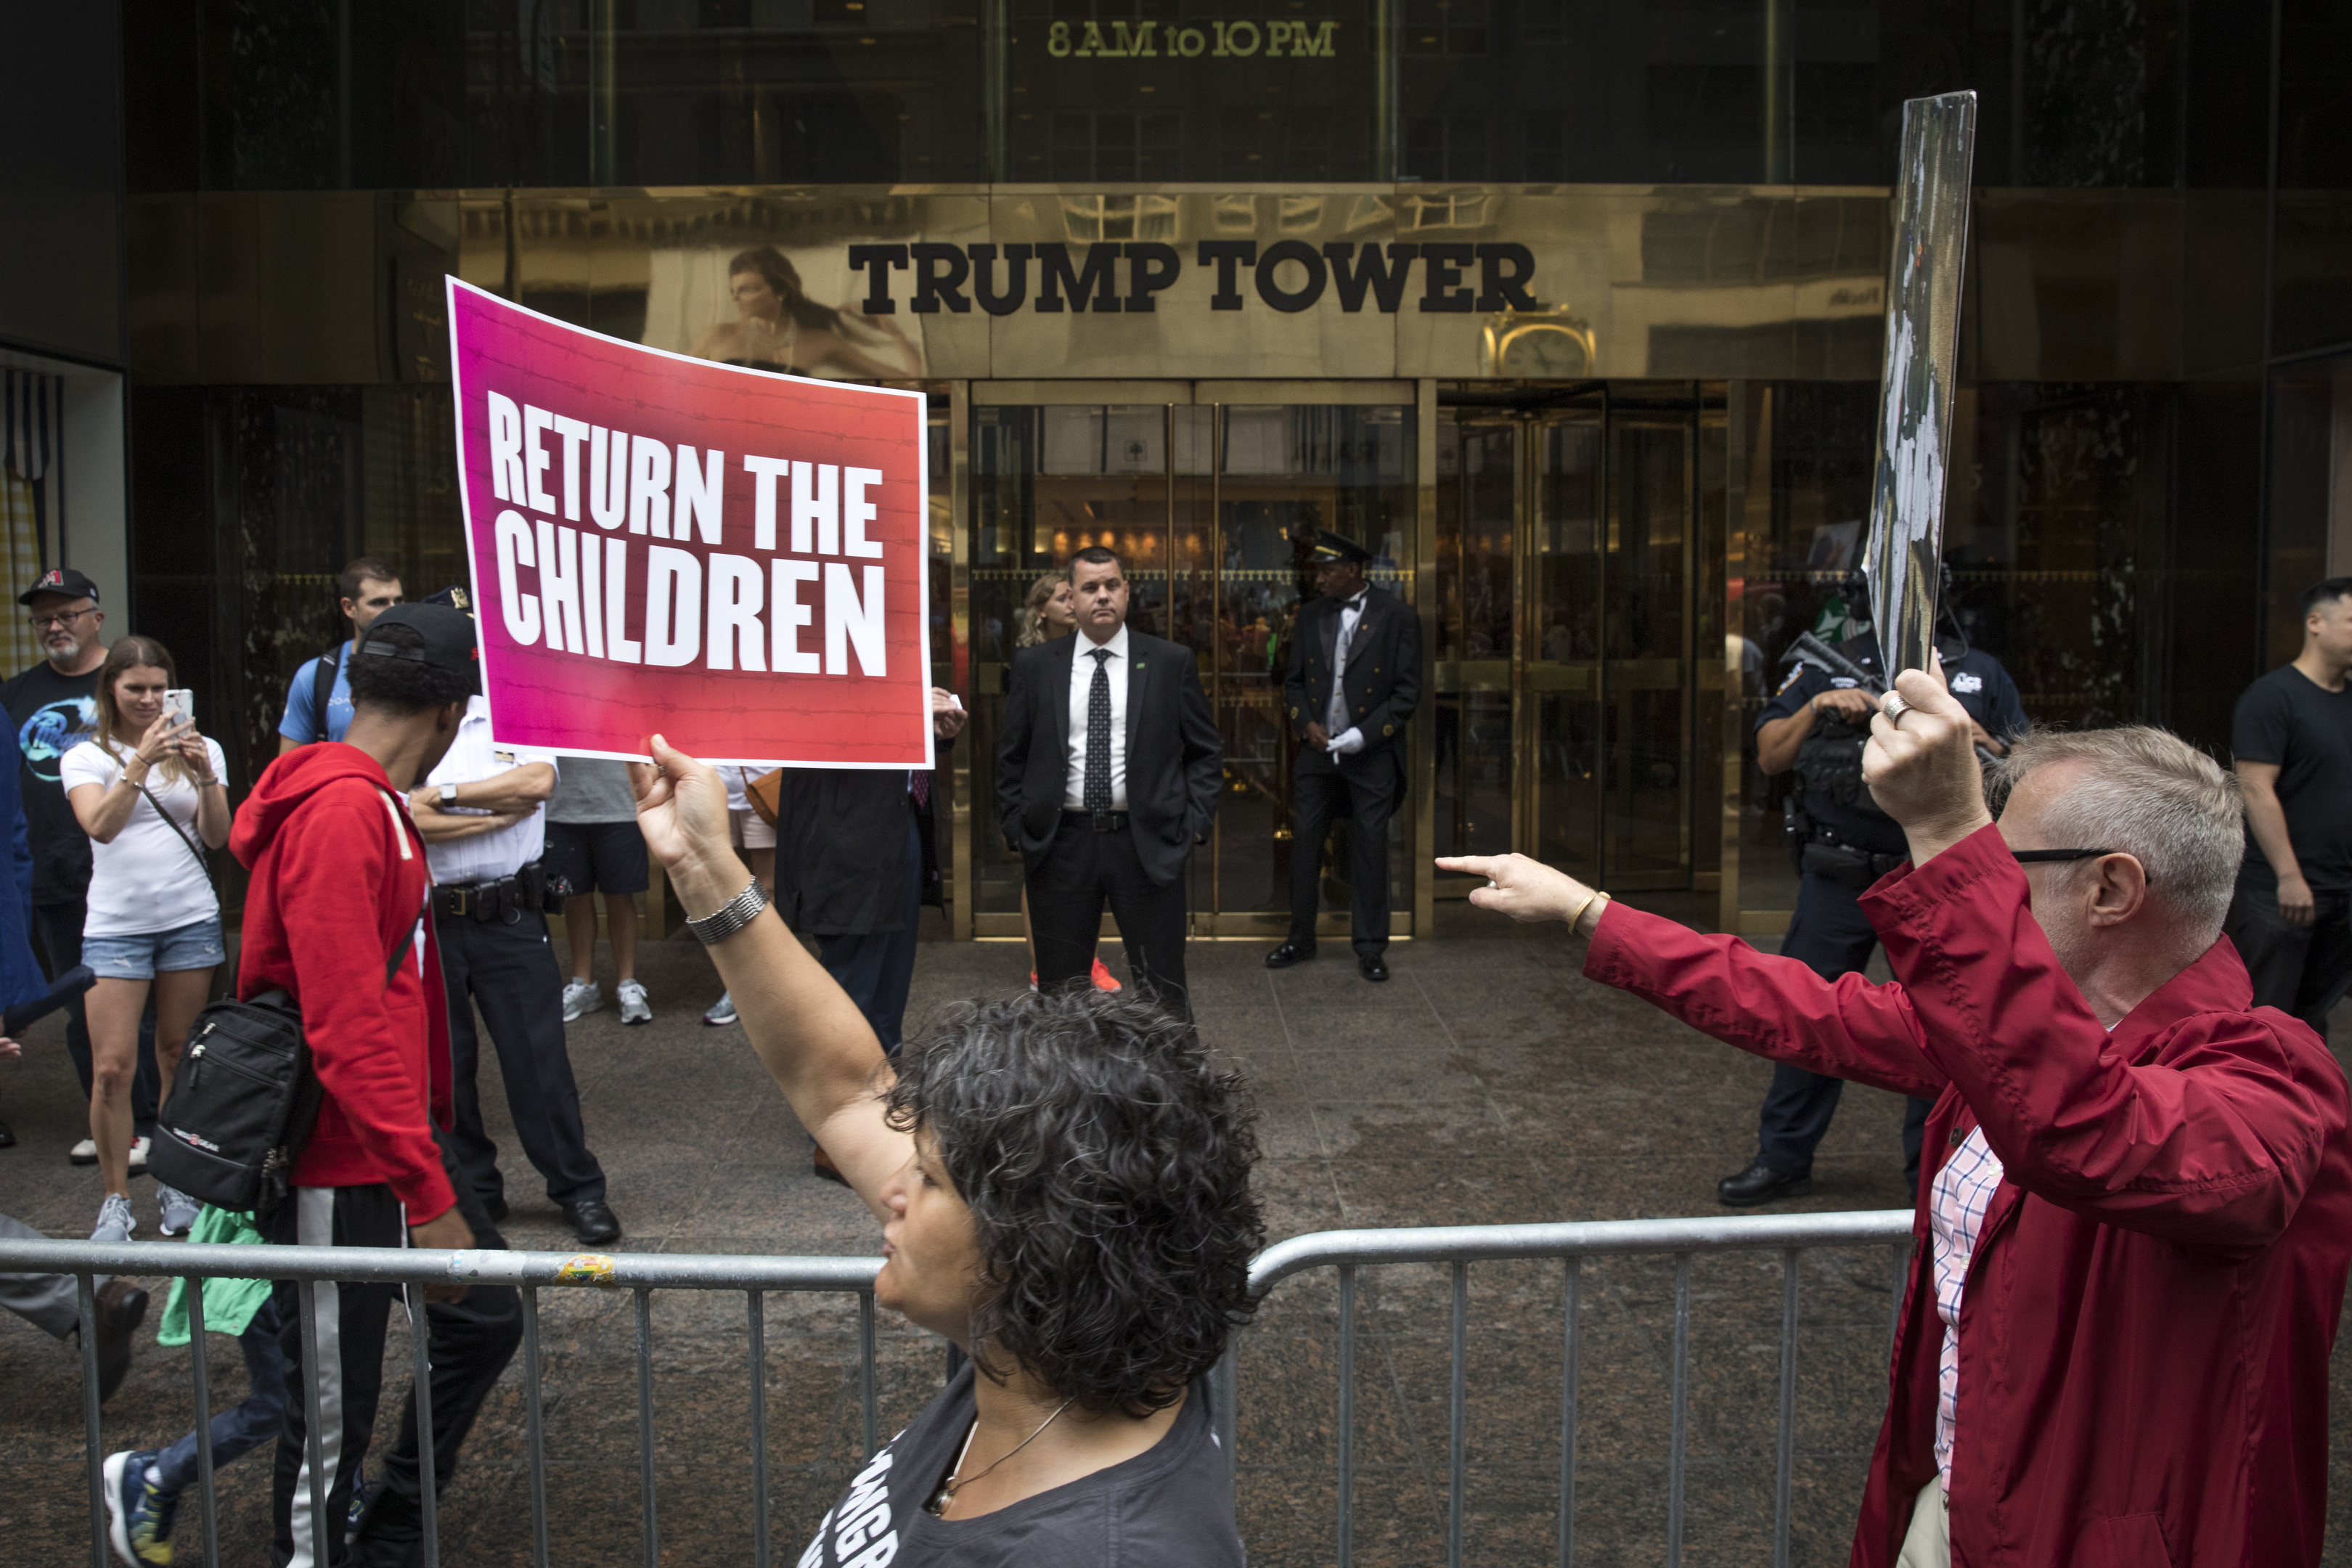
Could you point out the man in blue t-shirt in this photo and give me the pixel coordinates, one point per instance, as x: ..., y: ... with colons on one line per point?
x: 1816, y: 724
x: 368, y: 588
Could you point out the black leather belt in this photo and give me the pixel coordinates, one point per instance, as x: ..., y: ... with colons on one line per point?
x: 1096, y: 821
x: 506, y: 900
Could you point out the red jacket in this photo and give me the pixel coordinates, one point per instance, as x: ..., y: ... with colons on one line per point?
x: 2147, y: 1318
x: 339, y: 881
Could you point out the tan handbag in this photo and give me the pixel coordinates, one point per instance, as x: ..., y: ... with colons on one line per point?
x: 764, y: 792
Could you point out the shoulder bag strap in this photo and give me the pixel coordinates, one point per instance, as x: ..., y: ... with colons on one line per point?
x: 323, y: 687
x: 173, y: 822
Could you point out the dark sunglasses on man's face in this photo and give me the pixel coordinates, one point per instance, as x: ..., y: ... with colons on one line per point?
x: 2033, y: 856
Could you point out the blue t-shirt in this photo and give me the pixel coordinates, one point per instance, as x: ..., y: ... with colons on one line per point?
x: 300, y: 724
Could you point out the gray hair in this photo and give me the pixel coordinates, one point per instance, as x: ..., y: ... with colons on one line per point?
x: 2153, y: 795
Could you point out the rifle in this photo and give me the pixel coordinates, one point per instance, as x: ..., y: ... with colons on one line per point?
x: 1808, y: 646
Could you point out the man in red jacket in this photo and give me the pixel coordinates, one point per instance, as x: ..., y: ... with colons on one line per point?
x: 335, y: 914
x: 2129, y: 1268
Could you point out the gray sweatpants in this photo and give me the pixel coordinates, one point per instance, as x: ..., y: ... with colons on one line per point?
x: 45, y: 1300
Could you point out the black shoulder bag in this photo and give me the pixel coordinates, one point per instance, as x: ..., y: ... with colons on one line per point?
x: 243, y: 1102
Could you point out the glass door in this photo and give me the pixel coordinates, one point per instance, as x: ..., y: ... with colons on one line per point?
x: 1214, y: 508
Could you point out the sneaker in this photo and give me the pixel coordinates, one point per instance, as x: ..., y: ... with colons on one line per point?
x: 357, y: 1511
x: 1103, y: 979
x: 83, y: 1153
x: 634, y: 1009
x: 139, y: 1157
x: 138, y: 1512
x: 115, y: 1221
x: 721, y: 1013
x: 581, y: 997
x: 180, y: 1211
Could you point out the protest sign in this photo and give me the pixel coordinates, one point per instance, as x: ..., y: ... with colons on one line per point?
x: 730, y: 557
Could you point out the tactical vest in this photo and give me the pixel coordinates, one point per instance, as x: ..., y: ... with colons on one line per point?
x: 1829, y: 764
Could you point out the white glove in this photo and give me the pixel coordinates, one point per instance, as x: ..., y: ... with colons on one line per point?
x: 1348, y: 744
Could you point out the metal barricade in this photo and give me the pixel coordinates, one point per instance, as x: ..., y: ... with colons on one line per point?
x: 1461, y: 1245
x: 414, y: 1269
x: 643, y: 1273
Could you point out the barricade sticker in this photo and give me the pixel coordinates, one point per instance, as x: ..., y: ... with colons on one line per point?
x: 730, y: 557
x: 585, y: 1268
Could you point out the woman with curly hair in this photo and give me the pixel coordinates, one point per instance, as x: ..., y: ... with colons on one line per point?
x: 1062, y: 1183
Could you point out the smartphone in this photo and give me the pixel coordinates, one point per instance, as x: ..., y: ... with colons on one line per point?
x: 180, y: 705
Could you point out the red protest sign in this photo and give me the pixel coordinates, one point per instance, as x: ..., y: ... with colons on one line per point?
x: 730, y: 557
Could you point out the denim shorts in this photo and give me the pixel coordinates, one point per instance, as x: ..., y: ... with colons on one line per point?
x: 196, y: 945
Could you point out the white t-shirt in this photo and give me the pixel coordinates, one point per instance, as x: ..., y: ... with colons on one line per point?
x: 145, y: 881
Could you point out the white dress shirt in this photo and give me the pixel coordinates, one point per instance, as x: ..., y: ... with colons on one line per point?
x: 1082, y: 685
x: 1345, y: 737
x: 486, y: 857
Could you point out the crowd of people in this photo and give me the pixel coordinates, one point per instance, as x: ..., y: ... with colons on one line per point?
x: 2112, y: 960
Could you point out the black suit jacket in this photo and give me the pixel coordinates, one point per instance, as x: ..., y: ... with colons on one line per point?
x: 1382, y: 682
x: 841, y: 850
x: 1174, y: 763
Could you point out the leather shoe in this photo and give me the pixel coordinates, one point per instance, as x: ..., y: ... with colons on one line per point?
x: 1289, y: 953
x: 593, y: 1222
x: 1760, y: 1183
x: 1373, y: 965
x: 122, y: 1307
x: 7, y: 1136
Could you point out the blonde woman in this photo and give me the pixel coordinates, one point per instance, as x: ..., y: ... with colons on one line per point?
x: 1050, y: 611
x: 148, y: 790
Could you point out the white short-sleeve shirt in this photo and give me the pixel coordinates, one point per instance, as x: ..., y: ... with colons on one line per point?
x: 148, y: 879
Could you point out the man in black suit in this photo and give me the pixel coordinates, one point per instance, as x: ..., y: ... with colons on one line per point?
x: 1353, y: 680
x: 1106, y: 777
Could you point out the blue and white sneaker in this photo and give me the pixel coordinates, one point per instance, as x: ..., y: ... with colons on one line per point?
x: 721, y: 1013
x: 180, y: 1211
x: 138, y: 1512
x: 115, y: 1220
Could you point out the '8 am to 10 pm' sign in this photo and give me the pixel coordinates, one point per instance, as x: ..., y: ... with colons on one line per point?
x: 731, y: 558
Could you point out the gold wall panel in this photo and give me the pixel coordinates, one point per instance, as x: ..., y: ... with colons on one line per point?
x: 1615, y: 281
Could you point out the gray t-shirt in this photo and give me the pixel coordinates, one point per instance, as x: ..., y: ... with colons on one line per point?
x: 592, y: 789
x: 1165, y: 1507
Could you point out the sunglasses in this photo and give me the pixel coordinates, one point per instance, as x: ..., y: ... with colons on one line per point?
x: 2033, y: 857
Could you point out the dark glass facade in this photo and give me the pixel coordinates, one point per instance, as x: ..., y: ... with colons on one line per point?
x: 1667, y: 452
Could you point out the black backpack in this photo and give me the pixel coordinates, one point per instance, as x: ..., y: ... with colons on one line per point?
x: 243, y: 1102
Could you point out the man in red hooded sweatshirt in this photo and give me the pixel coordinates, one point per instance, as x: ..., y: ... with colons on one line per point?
x: 338, y: 901
x: 2136, y: 1208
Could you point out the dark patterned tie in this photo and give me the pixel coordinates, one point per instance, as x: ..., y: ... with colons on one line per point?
x: 1097, y: 791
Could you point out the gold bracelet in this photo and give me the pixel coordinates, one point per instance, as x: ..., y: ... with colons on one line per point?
x: 1578, y: 915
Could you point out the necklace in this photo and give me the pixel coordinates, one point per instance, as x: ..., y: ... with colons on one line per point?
x: 937, y: 1506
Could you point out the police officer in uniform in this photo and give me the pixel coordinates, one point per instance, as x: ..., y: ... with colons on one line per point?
x: 1818, y: 724
x: 1353, y: 680
x: 482, y: 815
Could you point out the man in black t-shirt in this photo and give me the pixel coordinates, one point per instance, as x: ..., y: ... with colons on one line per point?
x: 54, y: 705
x: 2292, y: 917
x: 1816, y: 724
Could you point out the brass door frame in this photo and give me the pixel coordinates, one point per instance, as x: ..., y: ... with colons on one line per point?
x: 967, y: 923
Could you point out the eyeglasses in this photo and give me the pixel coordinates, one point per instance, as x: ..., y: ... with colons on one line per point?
x: 2034, y: 856
x: 43, y: 622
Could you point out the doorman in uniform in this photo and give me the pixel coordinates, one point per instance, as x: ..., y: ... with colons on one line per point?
x: 1352, y: 682
x: 1818, y: 724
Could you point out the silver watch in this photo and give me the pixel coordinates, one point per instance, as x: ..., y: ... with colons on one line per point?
x: 729, y: 917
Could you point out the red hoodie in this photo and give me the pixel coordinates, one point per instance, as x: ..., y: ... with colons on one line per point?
x: 339, y: 881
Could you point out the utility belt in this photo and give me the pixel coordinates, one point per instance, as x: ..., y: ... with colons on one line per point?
x: 1819, y: 851
x: 502, y: 902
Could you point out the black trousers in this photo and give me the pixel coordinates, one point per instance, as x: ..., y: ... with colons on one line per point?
x: 1830, y: 936
x: 2301, y: 969
x: 877, y: 968
x: 58, y: 927
x: 1069, y: 884
x: 468, y: 1342
x: 352, y: 1318
x: 1317, y: 790
x: 510, y: 973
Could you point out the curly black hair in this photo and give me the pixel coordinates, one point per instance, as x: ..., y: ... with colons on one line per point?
x: 401, y: 688
x: 1105, y: 1160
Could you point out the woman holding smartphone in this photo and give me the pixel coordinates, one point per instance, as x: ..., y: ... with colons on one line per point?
x: 148, y: 791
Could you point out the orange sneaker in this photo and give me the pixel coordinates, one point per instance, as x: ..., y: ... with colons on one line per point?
x: 1103, y: 979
